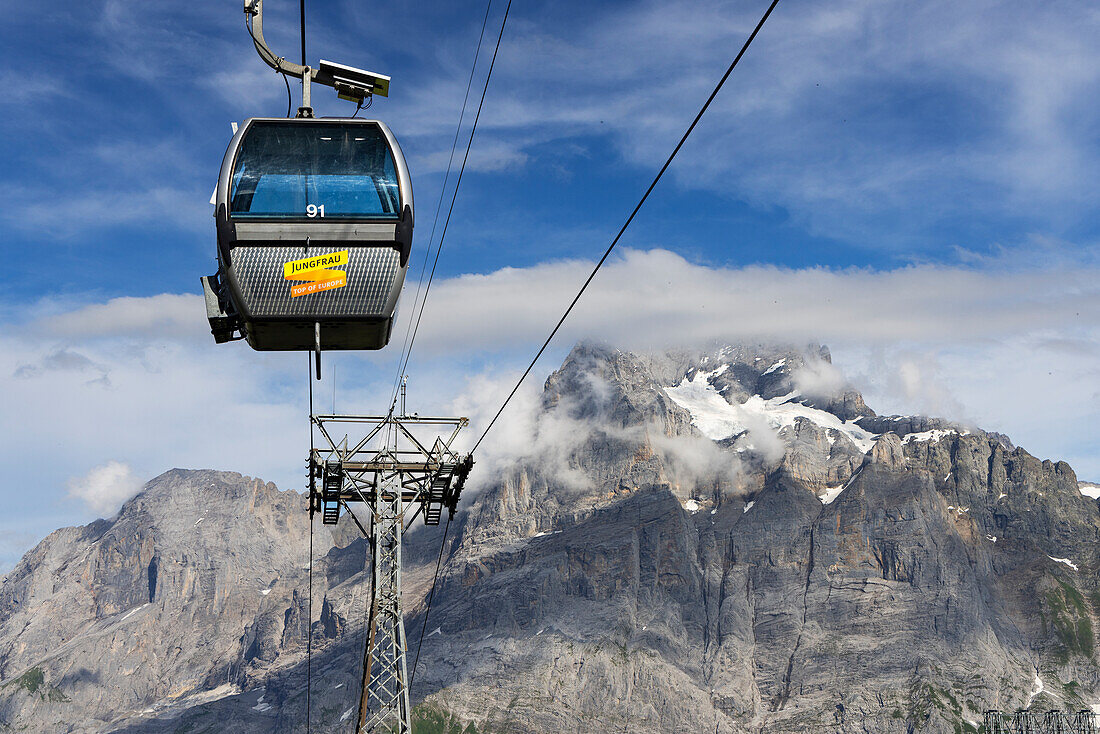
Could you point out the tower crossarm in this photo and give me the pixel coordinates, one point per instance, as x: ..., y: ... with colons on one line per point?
x: 399, y: 468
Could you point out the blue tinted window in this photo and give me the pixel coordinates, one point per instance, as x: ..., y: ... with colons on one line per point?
x: 295, y: 170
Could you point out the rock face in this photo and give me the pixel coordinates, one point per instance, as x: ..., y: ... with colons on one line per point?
x: 727, y: 541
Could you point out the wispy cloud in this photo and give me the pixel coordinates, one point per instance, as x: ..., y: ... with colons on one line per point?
x: 80, y: 214
x: 163, y: 317
x: 882, y: 123
x: 898, y: 126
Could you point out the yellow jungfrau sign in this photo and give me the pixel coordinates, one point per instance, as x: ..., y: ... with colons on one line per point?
x: 315, y: 271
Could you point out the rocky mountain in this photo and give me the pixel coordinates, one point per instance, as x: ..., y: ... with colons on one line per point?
x: 727, y: 541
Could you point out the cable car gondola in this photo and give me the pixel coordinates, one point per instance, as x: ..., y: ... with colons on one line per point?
x: 314, y: 225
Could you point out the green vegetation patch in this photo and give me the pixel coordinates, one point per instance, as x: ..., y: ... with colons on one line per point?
x: 1073, y: 597
x: 947, y: 696
x: 32, y: 680
x: 1073, y: 699
x: 924, y: 698
x: 428, y: 718
x: 1070, y: 621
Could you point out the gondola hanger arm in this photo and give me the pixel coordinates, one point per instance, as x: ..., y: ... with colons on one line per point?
x: 350, y: 83
x: 255, y: 9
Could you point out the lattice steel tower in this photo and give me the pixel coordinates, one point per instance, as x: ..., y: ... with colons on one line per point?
x: 406, y: 471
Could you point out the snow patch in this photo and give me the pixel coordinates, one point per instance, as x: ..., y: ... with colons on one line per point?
x: 776, y: 366
x: 692, y: 506
x: 1089, y: 489
x: 133, y: 611
x: 1038, y: 689
x: 718, y: 419
x: 347, y: 714
x: 710, y: 413
x: 265, y: 592
x: 436, y: 631
x: 991, y: 538
x: 1001, y: 495
x: 1066, y: 561
x: 748, y: 507
x: 831, y: 493
x: 934, y: 435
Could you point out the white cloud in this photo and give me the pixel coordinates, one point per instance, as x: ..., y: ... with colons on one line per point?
x: 140, y: 380
x: 27, y: 86
x: 1009, y: 350
x: 81, y: 390
x: 165, y: 316
x: 478, y: 398
x: 819, y: 379
x: 548, y: 440
x: 656, y: 299
x: 918, y: 379
x: 104, y: 488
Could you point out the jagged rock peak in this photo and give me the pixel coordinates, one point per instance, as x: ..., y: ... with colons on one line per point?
x: 737, y: 371
x: 771, y: 407
x: 888, y: 452
x: 194, y: 555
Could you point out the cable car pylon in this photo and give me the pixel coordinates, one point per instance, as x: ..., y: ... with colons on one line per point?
x: 402, y: 467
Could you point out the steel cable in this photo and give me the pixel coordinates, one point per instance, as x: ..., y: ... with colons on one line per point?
x: 412, y: 340
x: 309, y: 621
x: 629, y: 219
x: 289, y: 99
x: 302, y: 13
x: 458, y: 183
x: 439, y: 203
x: 428, y: 606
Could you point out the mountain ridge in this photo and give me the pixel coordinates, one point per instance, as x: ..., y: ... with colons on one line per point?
x: 625, y: 569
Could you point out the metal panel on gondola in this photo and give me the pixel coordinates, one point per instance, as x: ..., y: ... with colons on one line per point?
x: 314, y: 222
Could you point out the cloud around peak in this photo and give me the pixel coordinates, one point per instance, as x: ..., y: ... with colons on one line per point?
x: 104, y: 488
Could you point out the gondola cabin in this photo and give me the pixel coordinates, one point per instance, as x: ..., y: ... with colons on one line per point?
x: 314, y: 224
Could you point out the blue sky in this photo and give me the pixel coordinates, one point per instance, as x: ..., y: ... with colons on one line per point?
x: 912, y: 183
